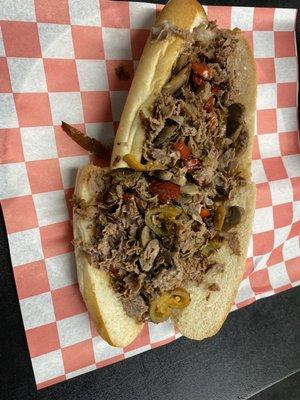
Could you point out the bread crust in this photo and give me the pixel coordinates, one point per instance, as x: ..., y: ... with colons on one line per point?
x: 153, y: 71
x: 204, y: 316
x: 212, y: 313
x: 105, y: 308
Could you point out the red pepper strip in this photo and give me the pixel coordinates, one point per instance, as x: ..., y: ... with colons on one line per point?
x: 165, y: 190
x: 183, y: 150
x: 202, y: 70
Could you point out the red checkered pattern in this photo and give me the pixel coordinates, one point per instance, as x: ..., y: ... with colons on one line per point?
x: 57, y: 61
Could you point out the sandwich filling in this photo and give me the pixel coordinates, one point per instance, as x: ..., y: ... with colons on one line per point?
x: 161, y: 222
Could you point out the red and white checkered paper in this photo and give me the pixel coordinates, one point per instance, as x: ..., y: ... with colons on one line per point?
x: 57, y: 63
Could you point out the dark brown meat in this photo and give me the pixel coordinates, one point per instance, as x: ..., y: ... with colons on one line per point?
x: 235, y: 119
x: 133, y: 284
x: 233, y: 242
x: 214, y: 287
x: 167, y: 279
x: 190, y: 240
x: 149, y: 255
x: 193, y: 269
x: 135, y: 308
x: 122, y: 73
x: 226, y: 159
x: 242, y: 141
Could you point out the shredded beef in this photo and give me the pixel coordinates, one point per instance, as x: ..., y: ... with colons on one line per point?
x: 193, y: 269
x: 133, y: 284
x: 233, y: 242
x: 242, y: 141
x: 190, y: 238
x: 149, y: 255
x: 166, y: 279
x: 135, y: 308
x: 196, y: 131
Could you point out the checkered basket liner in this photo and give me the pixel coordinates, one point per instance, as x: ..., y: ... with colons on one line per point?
x: 57, y: 61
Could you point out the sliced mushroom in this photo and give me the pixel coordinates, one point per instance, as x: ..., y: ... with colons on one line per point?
x: 182, y: 60
x: 145, y: 236
x: 219, y: 217
x: 179, y: 180
x: 166, y: 134
x: 242, y: 141
x: 169, y: 176
x: 233, y: 217
x: 164, y: 175
x: 191, y: 189
x: 177, y: 81
x: 235, y: 118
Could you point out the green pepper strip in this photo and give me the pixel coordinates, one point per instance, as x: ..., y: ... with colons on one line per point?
x: 164, y: 213
x: 133, y: 163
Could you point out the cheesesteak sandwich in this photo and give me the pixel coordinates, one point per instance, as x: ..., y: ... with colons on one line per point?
x: 164, y: 231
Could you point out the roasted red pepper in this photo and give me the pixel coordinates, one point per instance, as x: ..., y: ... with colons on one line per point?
x: 128, y: 196
x: 202, y: 70
x: 192, y: 163
x: 183, y: 149
x: 165, y: 190
x: 204, y: 213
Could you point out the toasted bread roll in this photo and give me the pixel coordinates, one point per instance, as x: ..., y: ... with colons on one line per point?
x: 208, y: 300
x: 153, y: 71
x: 105, y: 308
